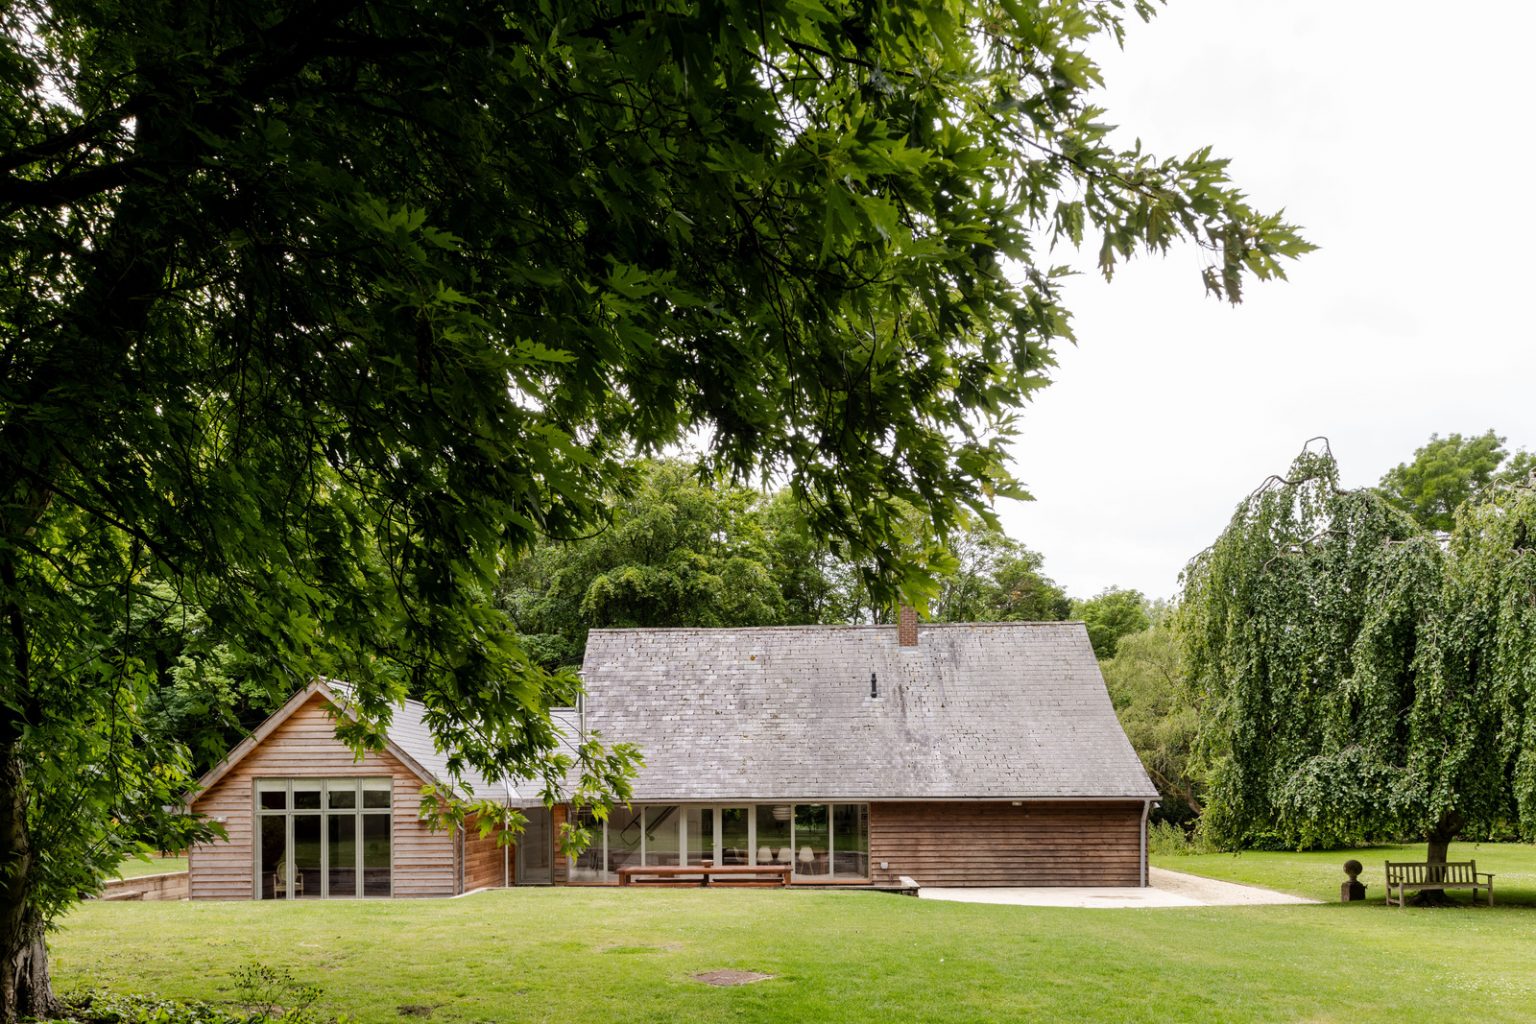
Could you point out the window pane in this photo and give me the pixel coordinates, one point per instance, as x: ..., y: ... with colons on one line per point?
x: 341, y: 871
x: 376, y: 792
x: 773, y: 834
x: 535, y: 848
x: 850, y: 839
x: 812, y: 857
x: 588, y: 866
x: 701, y: 834
x: 623, y: 838
x: 341, y: 794
x: 733, y: 836
x: 306, y: 796
x: 375, y: 854
x: 661, y: 835
x: 272, y: 796
x: 306, y: 856
x: 274, y: 857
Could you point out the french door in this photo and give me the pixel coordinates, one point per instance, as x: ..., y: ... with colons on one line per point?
x: 535, y: 849
x: 323, y: 838
x: 721, y: 835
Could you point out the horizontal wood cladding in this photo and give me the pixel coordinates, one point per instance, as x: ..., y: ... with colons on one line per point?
x: 998, y: 844
x: 305, y: 746
x: 486, y: 863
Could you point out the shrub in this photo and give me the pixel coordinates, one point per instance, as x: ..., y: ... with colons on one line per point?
x: 1164, y: 838
x: 263, y: 995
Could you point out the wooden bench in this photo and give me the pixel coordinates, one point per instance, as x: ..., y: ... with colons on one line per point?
x: 683, y: 874
x: 1452, y: 875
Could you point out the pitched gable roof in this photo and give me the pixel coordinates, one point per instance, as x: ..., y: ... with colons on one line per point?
x: 992, y: 711
x: 407, y: 738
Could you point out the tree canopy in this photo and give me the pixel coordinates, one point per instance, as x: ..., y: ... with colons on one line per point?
x: 1355, y: 679
x: 685, y: 551
x: 1148, y: 683
x: 1449, y: 471
x: 320, y: 313
x: 1111, y: 614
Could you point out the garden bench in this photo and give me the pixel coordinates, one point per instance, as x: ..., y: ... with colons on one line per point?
x: 735, y: 874
x: 1452, y: 875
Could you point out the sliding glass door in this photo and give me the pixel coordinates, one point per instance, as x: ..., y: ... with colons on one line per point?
x: 733, y: 843
x: 822, y: 842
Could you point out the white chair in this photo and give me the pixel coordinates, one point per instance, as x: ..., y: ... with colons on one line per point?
x: 786, y: 855
x: 764, y: 855
x: 280, y: 880
x: 807, y: 858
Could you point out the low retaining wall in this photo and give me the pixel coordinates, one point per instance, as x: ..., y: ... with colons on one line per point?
x: 172, y: 885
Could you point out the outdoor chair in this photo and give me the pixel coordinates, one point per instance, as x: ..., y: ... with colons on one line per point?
x: 280, y: 880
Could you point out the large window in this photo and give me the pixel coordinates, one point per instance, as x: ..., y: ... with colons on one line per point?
x: 322, y: 838
x: 823, y: 842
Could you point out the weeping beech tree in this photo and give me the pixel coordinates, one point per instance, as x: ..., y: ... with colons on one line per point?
x: 1360, y: 677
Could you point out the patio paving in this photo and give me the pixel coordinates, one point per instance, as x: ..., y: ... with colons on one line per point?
x: 1167, y: 889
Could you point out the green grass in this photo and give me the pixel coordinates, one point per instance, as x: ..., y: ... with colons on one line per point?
x: 606, y: 955
x: 1318, y: 874
x: 135, y: 868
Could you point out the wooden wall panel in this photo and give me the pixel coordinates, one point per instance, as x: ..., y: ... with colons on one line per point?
x: 486, y: 864
x: 305, y: 746
x: 997, y: 844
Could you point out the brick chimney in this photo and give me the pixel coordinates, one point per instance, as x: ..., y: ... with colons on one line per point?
x: 906, y: 626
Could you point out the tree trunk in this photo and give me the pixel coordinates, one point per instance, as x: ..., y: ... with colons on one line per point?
x: 25, y: 988
x: 1439, y: 849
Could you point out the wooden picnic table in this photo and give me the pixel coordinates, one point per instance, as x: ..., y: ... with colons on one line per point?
x: 662, y: 874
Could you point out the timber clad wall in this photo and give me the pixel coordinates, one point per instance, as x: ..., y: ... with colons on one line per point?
x: 486, y: 865
x: 1046, y: 843
x: 305, y: 746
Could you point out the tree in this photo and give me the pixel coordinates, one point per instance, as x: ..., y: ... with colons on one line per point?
x: 1148, y: 684
x: 1111, y: 614
x: 1447, y: 472
x: 323, y: 312
x: 1356, y: 680
x: 996, y: 579
x: 679, y: 551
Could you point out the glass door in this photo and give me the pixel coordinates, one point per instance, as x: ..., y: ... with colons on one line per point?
x: 699, y: 835
x: 535, y: 850
x: 735, y: 841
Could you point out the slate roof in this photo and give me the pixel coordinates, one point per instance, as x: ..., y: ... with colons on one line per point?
x: 987, y: 711
x: 408, y: 730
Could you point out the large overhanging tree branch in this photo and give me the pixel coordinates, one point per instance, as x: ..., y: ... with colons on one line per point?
x: 317, y: 314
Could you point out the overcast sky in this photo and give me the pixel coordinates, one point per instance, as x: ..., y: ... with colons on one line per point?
x: 1399, y: 135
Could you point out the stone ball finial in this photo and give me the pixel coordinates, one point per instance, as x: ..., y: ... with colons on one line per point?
x: 1352, y: 868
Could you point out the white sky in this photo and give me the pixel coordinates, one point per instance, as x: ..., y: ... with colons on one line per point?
x: 1399, y: 136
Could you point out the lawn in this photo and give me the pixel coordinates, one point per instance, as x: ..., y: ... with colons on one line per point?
x: 605, y: 955
x: 1318, y: 874
x: 134, y: 868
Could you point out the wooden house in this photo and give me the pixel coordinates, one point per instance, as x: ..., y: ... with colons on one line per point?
x: 954, y: 755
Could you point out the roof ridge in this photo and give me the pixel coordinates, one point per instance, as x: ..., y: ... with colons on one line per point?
x: 832, y: 626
